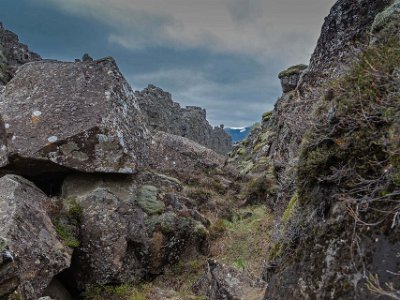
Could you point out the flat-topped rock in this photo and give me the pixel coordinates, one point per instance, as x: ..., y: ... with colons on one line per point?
x: 290, y: 77
x: 80, y: 115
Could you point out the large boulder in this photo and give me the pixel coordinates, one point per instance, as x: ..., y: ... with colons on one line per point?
x: 31, y: 252
x: 131, y: 227
x: 82, y: 116
x: 182, y: 157
x: 221, y: 282
x: 290, y: 77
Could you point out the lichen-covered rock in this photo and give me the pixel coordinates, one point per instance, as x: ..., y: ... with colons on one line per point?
x: 171, y: 154
x: 290, y: 77
x: 386, y: 25
x: 12, y: 54
x: 82, y: 116
x: 131, y: 227
x: 113, y: 240
x: 163, y: 114
x: 224, y: 283
x: 31, y: 252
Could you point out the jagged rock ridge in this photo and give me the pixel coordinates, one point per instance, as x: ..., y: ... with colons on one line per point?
x: 12, y: 54
x: 163, y: 114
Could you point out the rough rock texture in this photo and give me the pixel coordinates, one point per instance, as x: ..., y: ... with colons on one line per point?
x: 131, y: 227
x: 180, y: 156
x: 290, y: 77
x: 31, y: 252
x: 323, y: 253
x: 12, y: 54
x: 78, y: 115
x: 224, y: 283
x: 163, y: 114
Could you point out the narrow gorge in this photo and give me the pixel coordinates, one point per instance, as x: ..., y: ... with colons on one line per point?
x: 111, y: 193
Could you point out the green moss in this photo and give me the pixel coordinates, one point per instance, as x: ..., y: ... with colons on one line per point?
x: 75, y: 211
x: 390, y: 14
x: 245, y: 238
x: 290, y: 209
x: 275, y: 251
x: 148, y: 200
x: 297, y: 69
x: 241, y: 151
x: 66, y: 233
x: 361, y: 141
x: 266, y: 116
x: 245, y: 167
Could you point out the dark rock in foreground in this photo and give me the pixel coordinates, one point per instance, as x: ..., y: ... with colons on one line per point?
x: 31, y: 253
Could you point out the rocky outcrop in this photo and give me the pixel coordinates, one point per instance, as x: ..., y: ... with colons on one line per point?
x: 31, y: 252
x: 163, y: 114
x: 224, y: 283
x: 172, y: 154
x: 290, y: 77
x: 131, y: 227
x: 81, y: 116
x: 12, y: 54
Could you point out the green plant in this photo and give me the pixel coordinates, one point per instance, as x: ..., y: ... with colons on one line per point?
x: 66, y: 234
x: 239, y: 263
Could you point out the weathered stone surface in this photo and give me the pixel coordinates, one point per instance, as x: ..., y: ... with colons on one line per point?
x: 32, y: 253
x: 78, y: 115
x: 12, y: 54
x: 123, y: 237
x: 224, y: 283
x: 180, y: 156
x: 290, y: 77
x: 163, y: 114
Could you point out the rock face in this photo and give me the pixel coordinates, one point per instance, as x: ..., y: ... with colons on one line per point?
x: 290, y: 77
x: 12, y: 54
x: 316, y: 256
x: 223, y: 283
x: 31, y: 252
x: 131, y: 227
x: 163, y: 114
x: 81, y: 116
x: 180, y: 156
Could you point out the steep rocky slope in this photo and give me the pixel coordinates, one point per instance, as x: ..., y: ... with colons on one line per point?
x: 332, y: 144
x: 163, y: 114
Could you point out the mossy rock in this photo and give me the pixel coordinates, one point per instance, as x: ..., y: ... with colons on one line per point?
x: 148, y: 200
x: 298, y: 69
x: 385, y: 18
x: 266, y: 116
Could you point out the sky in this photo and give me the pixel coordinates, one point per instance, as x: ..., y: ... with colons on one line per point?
x: 222, y: 55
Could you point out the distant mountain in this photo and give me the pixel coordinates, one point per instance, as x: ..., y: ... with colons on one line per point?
x: 238, y: 133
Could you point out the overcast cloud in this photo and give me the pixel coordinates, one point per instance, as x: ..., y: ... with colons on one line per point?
x: 219, y: 54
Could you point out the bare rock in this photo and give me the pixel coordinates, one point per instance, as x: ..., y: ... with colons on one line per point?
x: 224, y: 283
x: 82, y: 116
x: 32, y: 253
x: 180, y: 156
x: 163, y: 114
x: 290, y: 77
x: 12, y: 54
